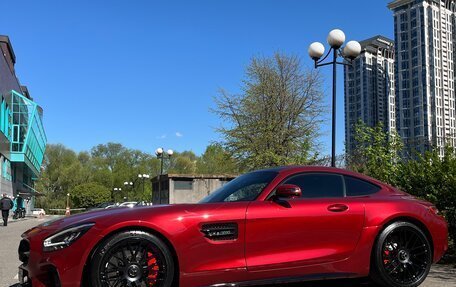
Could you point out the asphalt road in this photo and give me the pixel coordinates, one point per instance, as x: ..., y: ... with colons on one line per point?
x: 440, y: 276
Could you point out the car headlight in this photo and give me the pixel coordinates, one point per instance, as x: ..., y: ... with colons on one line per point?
x: 65, y: 237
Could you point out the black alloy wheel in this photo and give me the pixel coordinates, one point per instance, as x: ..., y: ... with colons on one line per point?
x: 134, y: 259
x: 402, y: 256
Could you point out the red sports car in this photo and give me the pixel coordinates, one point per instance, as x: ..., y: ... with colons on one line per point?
x: 285, y: 224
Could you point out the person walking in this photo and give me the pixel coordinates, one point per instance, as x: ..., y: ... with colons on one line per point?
x: 6, y: 204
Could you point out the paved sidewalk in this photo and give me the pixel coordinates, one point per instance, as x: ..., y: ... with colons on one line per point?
x: 440, y: 276
x: 9, y: 242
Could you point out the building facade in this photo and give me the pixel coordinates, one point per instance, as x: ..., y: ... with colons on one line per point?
x: 181, y: 188
x: 424, y: 33
x: 22, y: 136
x: 370, y: 89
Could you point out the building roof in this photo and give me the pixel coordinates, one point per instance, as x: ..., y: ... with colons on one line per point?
x: 398, y: 3
x: 377, y: 41
x: 6, y: 40
x: 449, y: 4
x: 196, y: 176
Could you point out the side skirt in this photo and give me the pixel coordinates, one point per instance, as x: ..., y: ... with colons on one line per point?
x: 283, y: 280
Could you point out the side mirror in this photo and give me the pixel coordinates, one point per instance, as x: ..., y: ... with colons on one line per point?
x: 288, y: 191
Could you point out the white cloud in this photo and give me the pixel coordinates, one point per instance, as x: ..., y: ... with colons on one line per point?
x: 161, y: 137
x: 179, y: 135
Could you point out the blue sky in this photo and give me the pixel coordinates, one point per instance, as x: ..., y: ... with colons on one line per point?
x: 144, y: 73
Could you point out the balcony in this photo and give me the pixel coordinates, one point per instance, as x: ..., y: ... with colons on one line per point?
x: 28, y: 139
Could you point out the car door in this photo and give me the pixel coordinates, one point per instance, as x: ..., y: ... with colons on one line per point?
x: 319, y: 227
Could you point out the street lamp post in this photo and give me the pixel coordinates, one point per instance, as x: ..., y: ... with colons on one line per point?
x: 128, y: 184
x: 67, y: 209
x: 159, y: 152
x: 115, y: 189
x: 143, y: 177
x: 352, y: 49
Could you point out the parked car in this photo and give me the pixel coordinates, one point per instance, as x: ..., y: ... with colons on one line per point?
x: 100, y: 206
x: 38, y: 212
x: 128, y: 204
x: 143, y: 203
x: 112, y: 206
x: 285, y: 224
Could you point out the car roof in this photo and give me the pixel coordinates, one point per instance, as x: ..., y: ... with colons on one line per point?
x: 309, y: 168
x: 294, y: 168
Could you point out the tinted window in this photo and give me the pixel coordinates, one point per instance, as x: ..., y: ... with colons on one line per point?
x: 243, y: 188
x: 317, y: 185
x: 357, y: 187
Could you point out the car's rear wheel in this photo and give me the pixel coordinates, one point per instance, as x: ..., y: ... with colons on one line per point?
x: 402, y: 256
x: 132, y: 258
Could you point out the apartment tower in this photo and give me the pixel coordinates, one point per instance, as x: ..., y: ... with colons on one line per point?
x: 424, y: 32
x: 370, y: 89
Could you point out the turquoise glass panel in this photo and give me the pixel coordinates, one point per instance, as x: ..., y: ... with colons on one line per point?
x: 29, y: 140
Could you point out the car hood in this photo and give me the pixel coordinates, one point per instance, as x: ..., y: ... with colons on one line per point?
x: 111, y: 214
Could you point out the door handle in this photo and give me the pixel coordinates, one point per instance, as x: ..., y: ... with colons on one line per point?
x: 337, y: 207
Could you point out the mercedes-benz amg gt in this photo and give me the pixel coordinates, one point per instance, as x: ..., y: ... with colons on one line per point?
x: 285, y: 224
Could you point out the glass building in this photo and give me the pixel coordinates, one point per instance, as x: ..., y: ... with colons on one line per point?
x: 22, y: 136
x: 424, y: 32
x: 370, y: 89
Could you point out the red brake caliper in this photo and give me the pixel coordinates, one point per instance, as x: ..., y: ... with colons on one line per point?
x: 152, y: 266
x: 386, y: 261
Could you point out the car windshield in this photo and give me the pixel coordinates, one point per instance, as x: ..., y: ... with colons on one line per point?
x: 243, y: 188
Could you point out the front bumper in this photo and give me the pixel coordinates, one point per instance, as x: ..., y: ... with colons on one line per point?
x: 24, y: 279
x: 48, y: 277
x: 57, y: 268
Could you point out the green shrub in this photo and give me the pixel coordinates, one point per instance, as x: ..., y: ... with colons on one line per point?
x: 89, y: 194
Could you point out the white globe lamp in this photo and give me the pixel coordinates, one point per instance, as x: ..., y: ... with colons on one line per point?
x: 316, y: 50
x: 352, y: 50
x: 336, y: 38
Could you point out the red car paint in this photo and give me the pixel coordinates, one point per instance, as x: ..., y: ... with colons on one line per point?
x: 323, y: 238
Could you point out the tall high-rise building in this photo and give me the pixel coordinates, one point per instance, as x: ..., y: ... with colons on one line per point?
x: 370, y: 89
x: 424, y: 33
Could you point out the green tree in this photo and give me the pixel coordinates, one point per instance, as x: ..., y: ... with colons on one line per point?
x: 377, y: 153
x: 275, y: 120
x: 429, y: 176
x: 216, y: 160
x: 182, y: 163
x: 61, y: 171
x: 433, y: 178
x: 89, y: 194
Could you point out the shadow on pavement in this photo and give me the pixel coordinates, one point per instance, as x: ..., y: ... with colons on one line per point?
x: 326, y: 283
x: 333, y: 283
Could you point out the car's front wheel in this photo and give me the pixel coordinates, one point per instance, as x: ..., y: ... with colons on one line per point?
x: 132, y: 258
x: 402, y: 256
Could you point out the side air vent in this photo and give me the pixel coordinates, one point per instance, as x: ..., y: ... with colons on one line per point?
x: 220, y: 231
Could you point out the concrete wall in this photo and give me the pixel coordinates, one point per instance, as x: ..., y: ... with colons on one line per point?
x: 201, y: 187
x: 8, y: 80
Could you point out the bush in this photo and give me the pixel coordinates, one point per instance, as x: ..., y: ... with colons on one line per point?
x: 434, y: 179
x: 427, y: 176
x: 89, y: 194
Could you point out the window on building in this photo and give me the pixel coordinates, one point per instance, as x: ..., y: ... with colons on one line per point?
x: 183, y: 184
